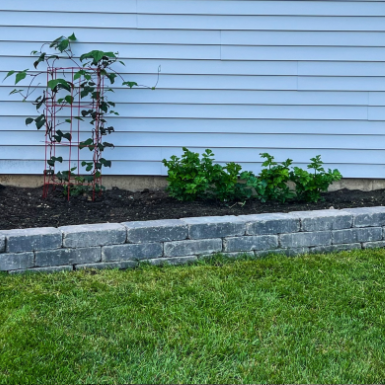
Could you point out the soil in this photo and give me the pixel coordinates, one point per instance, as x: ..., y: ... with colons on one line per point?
x: 25, y: 208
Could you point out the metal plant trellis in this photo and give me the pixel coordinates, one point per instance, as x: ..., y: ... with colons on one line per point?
x: 74, y: 95
x: 73, y: 144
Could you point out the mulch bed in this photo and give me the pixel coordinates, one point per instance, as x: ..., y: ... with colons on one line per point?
x: 24, y: 208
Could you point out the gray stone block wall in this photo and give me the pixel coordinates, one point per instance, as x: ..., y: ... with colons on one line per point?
x: 27, y: 240
x: 93, y: 235
x: 215, y: 227
x: 180, y: 241
x: 156, y: 231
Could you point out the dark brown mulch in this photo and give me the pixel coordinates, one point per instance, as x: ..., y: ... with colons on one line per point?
x: 23, y: 208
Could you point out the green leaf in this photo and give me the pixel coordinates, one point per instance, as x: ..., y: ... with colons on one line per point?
x: 79, y: 74
x: 28, y: 121
x: 39, y: 101
x: 40, y: 121
x: 111, y: 77
x: 15, y: 91
x: 68, y: 121
x: 130, y: 84
x: 41, y: 59
x: 72, y: 37
x: 79, y: 118
x: 96, y: 56
x: 10, y: 73
x: 105, y: 163
x: 69, y: 99
x: 63, y: 45
x: 86, y: 143
x: 59, y: 83
x: 20, y: 76
x: 68, y: 136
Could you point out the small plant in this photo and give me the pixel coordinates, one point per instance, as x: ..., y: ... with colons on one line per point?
x: 187, y: 176
x: 309, y: 185
x: 275, y: 177
x: 191, y: 177
x: 252, y: 186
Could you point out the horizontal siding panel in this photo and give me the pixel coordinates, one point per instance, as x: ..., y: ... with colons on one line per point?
x: 125, y: 6
x: 242, y: 155
x: 67, y: 19
x: 120, y: 168
x: 341, y: 69
x: 207, y: 82
x: 248, y: 126
x: 376, y: 113
x: 211, y: 140
x: 325, y: 83
x: 234, y: 52
x: 126, y: 50
x: 219, y: 111
x: 179, y: 67
x: 125, y: 36
x: 125, y: 96
x: 303, y: 8
x: 258, y: 23
x: 278, y: 38
x: 231, y: 67
x: 156, y: 168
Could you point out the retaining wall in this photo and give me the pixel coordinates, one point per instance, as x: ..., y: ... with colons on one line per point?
x: 178, y: 241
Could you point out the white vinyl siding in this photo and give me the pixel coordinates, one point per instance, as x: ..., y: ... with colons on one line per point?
x: 292, y: 78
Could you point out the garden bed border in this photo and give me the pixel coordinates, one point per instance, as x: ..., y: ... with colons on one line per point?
x: 179, y: 241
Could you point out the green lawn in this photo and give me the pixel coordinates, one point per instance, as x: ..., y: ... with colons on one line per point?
x: 311, y: 319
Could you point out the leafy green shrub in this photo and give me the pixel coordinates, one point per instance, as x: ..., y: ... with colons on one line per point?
x: 252, y: 186
x: 188, y: 176
x: 308, y: 186
x: 275, y: 177
x: 191, y: 177
x: 224, y: 182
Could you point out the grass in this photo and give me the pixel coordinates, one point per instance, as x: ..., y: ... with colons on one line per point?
x: 311, y: 319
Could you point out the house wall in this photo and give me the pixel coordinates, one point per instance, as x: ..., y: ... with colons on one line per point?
x: 292, y: 78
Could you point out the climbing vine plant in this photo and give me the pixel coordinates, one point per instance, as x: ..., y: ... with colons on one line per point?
x: 94, y: 70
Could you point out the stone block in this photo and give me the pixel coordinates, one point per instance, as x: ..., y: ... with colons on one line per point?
x: 196, y: 247
x: 299, y: 240
x: 369, y: 234
x: 108, y: 265
x: 102, y: 234
x: 12, y: 261
x: 215, y: 227
x: 252, y: 243
x: 367, y: 216
x: 46, y: 270
x: 276, y: 223
x: 132, y: 252
x: 2, y: 243
x: 373, y: 245
x: 335, y: 248
x: 173, y: 261
x: 156, y: 231
x: 324, y: 220
x: 68, y: 256
x: 35, y: 239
